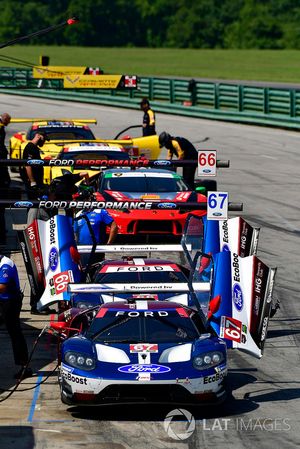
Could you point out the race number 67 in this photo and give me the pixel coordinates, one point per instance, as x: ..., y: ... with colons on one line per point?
x: 217, y: 205
x: 207, y: 163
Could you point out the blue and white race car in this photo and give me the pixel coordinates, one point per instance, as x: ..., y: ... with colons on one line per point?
x: 144, y: 351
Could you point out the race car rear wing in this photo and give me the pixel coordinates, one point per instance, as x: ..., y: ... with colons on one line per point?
x: 211, y: 237
x: 129, y: 249
x: 43, y: 119
x: 141, y: 287
x: 245, y: 285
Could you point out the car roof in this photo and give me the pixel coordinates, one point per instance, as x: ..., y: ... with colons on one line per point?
x: 54, y: 123
x: 147, y: 172
x: 97, y: 148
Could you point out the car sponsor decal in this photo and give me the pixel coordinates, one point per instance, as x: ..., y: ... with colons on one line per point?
x: 182, y: 196
x: 232, y: 329
x: 118, y: 205
x: 148, y: 313
x: 237, y: 297
x: 61, y: 281
x: 53, y: 258
x: 75, y: 379
x: 150, y: 197
x: 162, y: 163
x: 35, y: 162
x: 166, y: 206
x: 215, y: 377
x: 143, y: 347
x: 23, y: 204
x: 138, y: 269
x: 138, y: 368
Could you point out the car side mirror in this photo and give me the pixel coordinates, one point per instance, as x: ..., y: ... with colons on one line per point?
x: 200, y: 189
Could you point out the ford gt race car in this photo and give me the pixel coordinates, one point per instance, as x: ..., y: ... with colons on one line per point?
x: 90, y: 153
x: 143, y: 351
x: 57, y: 132
x: 61, y: 131
x: 147, y: 184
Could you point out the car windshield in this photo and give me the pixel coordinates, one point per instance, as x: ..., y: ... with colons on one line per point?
x: 151, y: 326
x: 149, y: 184
x: 63, y: 133
x: 127, y: 277
x: 92, y: 155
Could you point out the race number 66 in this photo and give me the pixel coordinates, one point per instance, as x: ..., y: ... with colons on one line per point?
x: 217, y: 205
x: 61, y: 281
x: 207, y: 163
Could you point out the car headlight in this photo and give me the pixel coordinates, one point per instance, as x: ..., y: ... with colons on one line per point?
x: 208, y: 360
x: 78, y: 360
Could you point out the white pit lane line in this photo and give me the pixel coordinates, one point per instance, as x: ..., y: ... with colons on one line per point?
x: 269, y: 157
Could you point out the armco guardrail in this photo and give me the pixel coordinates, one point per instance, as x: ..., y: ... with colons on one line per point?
x: 221, y: 101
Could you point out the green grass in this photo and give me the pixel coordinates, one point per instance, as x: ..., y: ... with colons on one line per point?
x: 259, y: 65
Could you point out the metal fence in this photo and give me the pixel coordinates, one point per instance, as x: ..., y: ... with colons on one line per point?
x: 221, y: 101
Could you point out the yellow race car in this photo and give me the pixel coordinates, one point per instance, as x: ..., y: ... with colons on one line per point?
x: 88, y: 153
x: 57, y: 131
x: 60, y: 132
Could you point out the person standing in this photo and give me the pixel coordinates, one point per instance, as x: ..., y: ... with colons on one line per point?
x: 148, y: 118
x: 10, y: 307
x: 98, y: 220
x: 183, y: 149
x: 33, y: 175
x: 4, y: 174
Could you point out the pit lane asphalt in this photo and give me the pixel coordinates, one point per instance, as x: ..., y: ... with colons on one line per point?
x: 264, y: 410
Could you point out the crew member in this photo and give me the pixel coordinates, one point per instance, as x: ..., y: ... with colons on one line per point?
x: 10, y: 307
x: 183, y: 149
x: 4, y: 174
x: 33, y: 175
x: 148, y: 118
x: 62, y: 188
x: 99, y: 219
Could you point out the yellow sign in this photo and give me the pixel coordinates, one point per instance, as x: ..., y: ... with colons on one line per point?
x: 92, y: 81
x: 56, y: 72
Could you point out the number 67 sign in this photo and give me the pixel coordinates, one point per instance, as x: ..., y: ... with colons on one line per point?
x: 217, y: 205
x: 207, y: 163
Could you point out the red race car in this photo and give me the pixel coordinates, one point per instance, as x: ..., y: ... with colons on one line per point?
x: 148, y: 185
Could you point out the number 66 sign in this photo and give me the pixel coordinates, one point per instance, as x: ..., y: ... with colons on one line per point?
x: 207, y: 163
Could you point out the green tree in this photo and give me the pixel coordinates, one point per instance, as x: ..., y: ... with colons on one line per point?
x: 256, y: 27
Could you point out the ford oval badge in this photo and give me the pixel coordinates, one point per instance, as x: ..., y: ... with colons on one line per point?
x: 53, y: 258
x: 237, y: 297
x: 151, y: 368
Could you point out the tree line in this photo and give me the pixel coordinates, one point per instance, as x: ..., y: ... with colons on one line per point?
x: 264, y: 24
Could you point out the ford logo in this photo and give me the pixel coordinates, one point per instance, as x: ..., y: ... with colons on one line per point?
x: 162, y: 163
x: 166, y: 206
x: 23, y: 204
x: 35, y: 162
x: 225, y: 248
x: 151, y: 368
x: 217, y: 214
x: 206, y: 170
x: 53, y: 258
x: 237, y: 297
